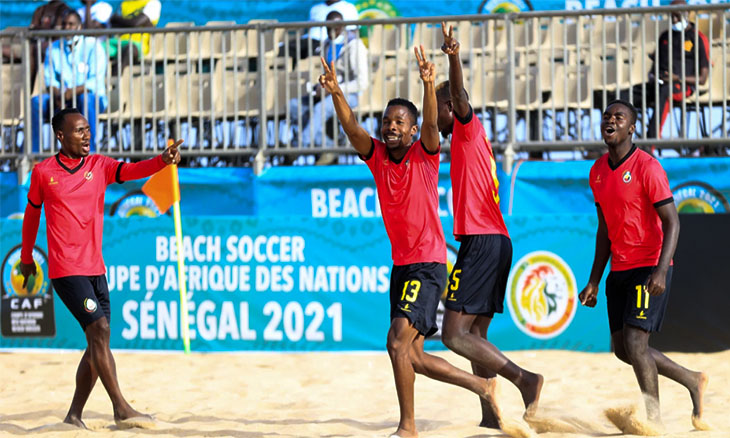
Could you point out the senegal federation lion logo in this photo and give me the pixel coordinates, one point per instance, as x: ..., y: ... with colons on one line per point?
x: 541, y: 294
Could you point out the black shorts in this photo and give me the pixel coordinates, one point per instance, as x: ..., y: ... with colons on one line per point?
x: 479, y: 279
x: 87, y: 298
x: 415, y: 290
x: 628, y: 302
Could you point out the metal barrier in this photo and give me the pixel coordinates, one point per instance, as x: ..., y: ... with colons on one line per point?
x: 537, y: 80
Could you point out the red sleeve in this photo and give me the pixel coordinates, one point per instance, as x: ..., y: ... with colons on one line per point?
x: 31, y: 221
x: 35, y: 192
x: 591, y: 177
x: 142, y: 169
x: 656, y: 184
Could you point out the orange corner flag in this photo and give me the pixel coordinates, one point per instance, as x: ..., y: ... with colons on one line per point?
x: 163, y: 188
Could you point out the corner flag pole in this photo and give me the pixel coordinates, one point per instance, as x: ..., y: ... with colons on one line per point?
x: 182, y: 281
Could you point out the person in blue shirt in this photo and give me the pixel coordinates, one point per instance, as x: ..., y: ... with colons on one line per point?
x: 74, y: 72
x: 351, y: 66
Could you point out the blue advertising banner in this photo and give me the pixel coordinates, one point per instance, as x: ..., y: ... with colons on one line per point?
x: 11, y: 196
x: 294, y: 283
x: 699, y: 185
x: 339, y: 191
x: 231, y: 187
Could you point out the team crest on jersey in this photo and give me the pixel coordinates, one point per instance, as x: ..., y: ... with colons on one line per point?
x: 699, y: 197
x: 626, y: 177
x: 89, y: 176
x: 89, y: 305
x: 541, y: 294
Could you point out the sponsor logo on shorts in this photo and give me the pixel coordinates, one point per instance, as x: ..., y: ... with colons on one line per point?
x: 89, y: 305
x: 699, y: 197
x: 541, y: 294
x: 641, y: 315
x: 626, y: 177
x: 406, y: 308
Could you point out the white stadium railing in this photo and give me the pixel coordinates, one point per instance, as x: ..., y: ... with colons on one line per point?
x: 537, y: 80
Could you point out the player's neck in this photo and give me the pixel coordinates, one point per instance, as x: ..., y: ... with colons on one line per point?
x: 618, y: 152
x: 67, y: 159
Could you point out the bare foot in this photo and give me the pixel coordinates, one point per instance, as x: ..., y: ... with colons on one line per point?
x: 697, y: 395
x: 127, y: 413
x: 530, y: 389
x: 491, y: 416
x: 402, y: 433
x: 74, y: 421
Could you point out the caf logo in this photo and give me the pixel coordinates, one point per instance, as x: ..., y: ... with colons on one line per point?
x: 134, y: 203
x: 541, y: 294
x: 12, y: 285
x: 89, y: 305
x: 699, y: 197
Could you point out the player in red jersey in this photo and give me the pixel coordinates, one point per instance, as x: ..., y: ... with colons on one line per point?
x: 479, y: 278
x: 72, y: 184
x: 638, y: 228
x: 406, y: 177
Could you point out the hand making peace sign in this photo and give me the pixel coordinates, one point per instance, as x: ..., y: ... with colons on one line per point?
x: 328, y: 80
x: 451, y: 45
x: 426, y: 68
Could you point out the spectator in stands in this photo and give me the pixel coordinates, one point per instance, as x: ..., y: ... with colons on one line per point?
x: 95, y: 14
x: 687, y: 51
x: 45, y: 17
x: 48, y: 16
x: 75, y: 69
x: 319, y: 13
x: 350, y: 57
x: 133, y: 13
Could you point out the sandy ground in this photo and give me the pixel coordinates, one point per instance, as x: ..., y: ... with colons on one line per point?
x: 332, y: 395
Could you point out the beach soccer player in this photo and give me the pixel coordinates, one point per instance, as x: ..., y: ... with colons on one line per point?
x: 479, y: 278
x: 70, y: 186
x: 406, y: 178
x: 638, y: 229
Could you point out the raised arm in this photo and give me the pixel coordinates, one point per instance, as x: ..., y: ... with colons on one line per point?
x: 670, y: 227
x: 359, y: 137
x: 600, y: 259
x: 459, y: 98
x: 429, y: 127
x: 145, y: 168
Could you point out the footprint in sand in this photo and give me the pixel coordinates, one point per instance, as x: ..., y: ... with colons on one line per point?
x: 139, y: 422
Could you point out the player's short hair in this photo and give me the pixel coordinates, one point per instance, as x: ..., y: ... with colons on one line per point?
x: 629, y: 105
x: 443, y: 91
x: 60, y: 117
x: 399, y: 101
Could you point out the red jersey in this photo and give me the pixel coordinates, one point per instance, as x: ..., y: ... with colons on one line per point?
x: 74, y: 200
x: 408, y: 196
x: 628, y: 194
x: 474, y: 180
